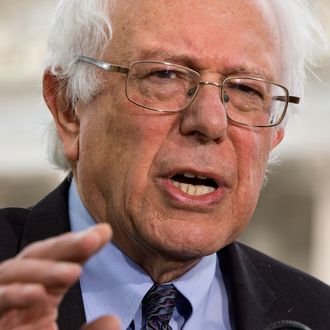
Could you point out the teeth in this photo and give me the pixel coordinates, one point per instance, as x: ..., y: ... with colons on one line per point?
x: 193, y: 190
x: 191, y: 175
x: 176, y: 183
x: 201, y: 177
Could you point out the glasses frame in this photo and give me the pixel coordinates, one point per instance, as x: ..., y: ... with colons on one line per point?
x: 125, y: 70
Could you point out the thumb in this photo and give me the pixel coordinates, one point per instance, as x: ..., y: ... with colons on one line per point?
x: 104, y: 322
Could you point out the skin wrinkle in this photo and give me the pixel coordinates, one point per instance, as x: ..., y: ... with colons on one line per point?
x: 290, y: 47
x: 125, y: 152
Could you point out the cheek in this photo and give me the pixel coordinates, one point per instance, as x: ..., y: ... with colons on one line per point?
x: 252, y: 149
x: 130, y: 142
x: 137, y: 136
x: 252, y: 152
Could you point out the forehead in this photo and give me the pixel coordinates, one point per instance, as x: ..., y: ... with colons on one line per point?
x: 224, y: 33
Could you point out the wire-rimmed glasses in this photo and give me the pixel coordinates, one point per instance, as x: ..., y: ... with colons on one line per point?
x: 167, y: 87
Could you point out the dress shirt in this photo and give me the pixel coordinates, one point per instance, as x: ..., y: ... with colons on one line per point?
x: 113, y: 284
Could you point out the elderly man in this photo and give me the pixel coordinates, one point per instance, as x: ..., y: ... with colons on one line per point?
x: 166, y: 113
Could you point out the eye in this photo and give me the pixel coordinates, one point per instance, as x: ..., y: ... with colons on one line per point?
x: 164, y: 74
x: 249, y: 89
x: 161, y: 76
x: 246, y: 89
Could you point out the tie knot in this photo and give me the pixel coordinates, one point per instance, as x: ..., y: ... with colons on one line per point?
x: 158, y: 305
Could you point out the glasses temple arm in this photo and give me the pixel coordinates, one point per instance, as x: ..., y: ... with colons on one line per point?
x: 290, y: 99
x: 103, y: 65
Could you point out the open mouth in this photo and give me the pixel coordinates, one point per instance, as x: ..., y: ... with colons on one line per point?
x: 193, y: 184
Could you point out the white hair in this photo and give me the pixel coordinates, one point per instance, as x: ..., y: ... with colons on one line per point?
x: 303, y: 41
x: 84, y: 27
x: 79, y: 27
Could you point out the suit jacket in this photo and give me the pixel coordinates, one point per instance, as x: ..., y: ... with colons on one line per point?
x: 261, y: 290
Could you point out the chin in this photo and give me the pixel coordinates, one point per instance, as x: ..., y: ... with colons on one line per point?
x: 189, y: 248
x: 202, y: 240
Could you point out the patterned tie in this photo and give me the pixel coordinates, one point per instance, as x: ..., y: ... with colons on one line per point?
x: 158, y: 306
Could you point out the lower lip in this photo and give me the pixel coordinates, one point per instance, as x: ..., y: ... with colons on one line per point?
x: 182, y: 199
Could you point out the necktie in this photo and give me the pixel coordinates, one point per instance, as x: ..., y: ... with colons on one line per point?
x: 158, y: 306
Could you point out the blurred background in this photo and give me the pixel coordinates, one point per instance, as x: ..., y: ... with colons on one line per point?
x: 292, y: 221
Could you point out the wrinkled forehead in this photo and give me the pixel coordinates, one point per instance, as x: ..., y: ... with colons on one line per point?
x: 144, y: 6
x: 146, y: 13
x: 211, y: 25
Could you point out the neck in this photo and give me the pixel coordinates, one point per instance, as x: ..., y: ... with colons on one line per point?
x: 165, y: 271
x: 161, y: 267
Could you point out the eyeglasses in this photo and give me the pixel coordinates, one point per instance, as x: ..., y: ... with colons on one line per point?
x: 166, y: 87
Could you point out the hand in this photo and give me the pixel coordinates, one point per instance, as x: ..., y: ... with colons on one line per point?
x: 33, y: 283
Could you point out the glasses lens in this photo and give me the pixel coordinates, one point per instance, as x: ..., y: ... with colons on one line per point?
x: 162, y: 87
x: 254, y: 102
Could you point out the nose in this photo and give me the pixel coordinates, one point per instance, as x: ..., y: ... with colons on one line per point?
x: 206, y: 117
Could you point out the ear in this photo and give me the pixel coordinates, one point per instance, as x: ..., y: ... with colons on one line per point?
x: 278, y: 135
x: 67, y: 124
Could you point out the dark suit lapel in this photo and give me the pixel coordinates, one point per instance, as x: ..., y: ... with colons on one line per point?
x: 50, y: 218
x: 250, y: 298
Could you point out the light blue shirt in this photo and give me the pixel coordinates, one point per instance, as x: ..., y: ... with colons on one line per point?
x: 113, y: 284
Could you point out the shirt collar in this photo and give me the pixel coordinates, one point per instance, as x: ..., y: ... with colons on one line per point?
x: 196, y: 283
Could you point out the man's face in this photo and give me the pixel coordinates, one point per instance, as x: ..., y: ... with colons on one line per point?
x: 129, y: 157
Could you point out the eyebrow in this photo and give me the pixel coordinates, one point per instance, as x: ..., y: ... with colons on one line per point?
x: 191, y: 61
x: 167, y: 56
x: 248, y: 71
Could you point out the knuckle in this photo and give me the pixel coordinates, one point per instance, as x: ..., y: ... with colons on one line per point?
x: 4, y: 295
x: 6, y: 268
x: 7, y: 293
x: 31, y: 250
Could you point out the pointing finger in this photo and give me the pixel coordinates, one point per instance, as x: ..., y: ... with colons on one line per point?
x: 75, y: 247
